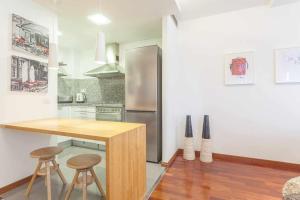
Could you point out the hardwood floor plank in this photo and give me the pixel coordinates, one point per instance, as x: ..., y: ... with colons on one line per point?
x: 220, y: 180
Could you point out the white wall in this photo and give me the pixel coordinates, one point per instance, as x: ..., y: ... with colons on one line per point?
x: 259, y: 121
x: 171, y: 80
x: 14, y: 145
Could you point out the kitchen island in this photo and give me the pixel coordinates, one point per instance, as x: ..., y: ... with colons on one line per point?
x: 125, y: 150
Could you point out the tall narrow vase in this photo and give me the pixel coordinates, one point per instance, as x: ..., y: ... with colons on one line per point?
x: 189, y: 151
x: 206, y: 144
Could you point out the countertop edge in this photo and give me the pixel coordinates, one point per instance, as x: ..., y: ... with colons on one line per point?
x: 41, y: 130
x: 52, y: 132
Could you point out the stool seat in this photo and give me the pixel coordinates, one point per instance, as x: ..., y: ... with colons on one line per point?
x: 46, y: 157
x: 83, y: 164
x: 47, y: 152
x: 83, y: 161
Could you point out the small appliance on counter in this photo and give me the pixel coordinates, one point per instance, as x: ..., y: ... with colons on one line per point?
x: 80, y: 97
x: 65, y: 99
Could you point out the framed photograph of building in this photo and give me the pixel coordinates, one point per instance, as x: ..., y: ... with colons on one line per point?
x: 28, y: 75
x: 239, y: 68
x: 287, y: 65
x: 29, y: 37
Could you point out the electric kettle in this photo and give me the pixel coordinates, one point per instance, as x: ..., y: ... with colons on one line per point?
x: 80, y: 97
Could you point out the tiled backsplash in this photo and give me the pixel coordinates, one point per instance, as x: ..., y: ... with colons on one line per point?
x: 112, y: 90
x: 104, y: 90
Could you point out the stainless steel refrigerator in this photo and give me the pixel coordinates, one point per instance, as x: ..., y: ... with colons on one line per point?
x: 143, y: 82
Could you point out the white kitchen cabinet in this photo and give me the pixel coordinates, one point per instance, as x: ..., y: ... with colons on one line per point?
x: 77, y: 112
x: 78, y: 61
x: 83, y: 112
x: 64, y: 111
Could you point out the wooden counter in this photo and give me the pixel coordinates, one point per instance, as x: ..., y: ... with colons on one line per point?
x: 125, y: 150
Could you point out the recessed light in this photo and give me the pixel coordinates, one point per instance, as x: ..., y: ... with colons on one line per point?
x: 99, y: 19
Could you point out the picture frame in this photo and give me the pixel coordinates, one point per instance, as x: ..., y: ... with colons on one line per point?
x: 239, y: 68
x: 287, y: 65
x: 29, y: 37
x: 28, y: 75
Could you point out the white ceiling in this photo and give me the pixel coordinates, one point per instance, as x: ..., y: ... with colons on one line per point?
x: 190, y: 9
x: 132, y: 20
x: 200, y: 8
x: 281, y: 2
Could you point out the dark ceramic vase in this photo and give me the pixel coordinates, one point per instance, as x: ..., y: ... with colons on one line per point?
x: 189, y: 151
x: 206, y: 129
x: 188, y: 127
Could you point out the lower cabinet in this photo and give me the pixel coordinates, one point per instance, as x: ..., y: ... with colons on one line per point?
x: 77, y: 112
x: 83, y: 112
x: 64, y: 111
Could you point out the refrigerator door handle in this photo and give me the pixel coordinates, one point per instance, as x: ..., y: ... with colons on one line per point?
x: 141, y: 111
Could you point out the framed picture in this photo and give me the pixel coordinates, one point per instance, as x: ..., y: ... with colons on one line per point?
x: 287, y: 65
x: 28, y: 75
x: 239, y: 68
x: 29, y: 37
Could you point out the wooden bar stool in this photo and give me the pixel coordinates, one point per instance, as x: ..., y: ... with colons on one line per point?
x: 83, y: 164
x: 46, y: 156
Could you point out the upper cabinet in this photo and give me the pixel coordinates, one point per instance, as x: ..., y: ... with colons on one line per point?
x: 78, y: 60
x: 81, y: 61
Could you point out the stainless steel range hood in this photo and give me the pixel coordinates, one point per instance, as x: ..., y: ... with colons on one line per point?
x: 108, y: 70
x: 112, y: 69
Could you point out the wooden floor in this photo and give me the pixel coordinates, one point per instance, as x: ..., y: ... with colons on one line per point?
x: 219, y: 181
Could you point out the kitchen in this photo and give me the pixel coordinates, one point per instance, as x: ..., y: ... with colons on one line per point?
x: 110, y: 89
x: 114, y: 95
x: 103, y: 97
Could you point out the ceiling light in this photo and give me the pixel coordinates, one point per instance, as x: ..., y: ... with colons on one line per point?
x: 99, y: 19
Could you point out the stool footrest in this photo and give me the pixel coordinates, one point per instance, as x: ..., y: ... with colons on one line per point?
x: 43, y: 171
x: 89, y: 180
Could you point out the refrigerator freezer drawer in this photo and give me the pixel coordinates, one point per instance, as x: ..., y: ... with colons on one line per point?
x: 154, y: 137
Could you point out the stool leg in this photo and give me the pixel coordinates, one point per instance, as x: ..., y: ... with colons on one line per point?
x: 33, y: 178
x: 72, y: 186
x: 59, y: 172
x: 45, y: 180
x: 97, y: 182
x: 48, y: 177
x: 84, y: 185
